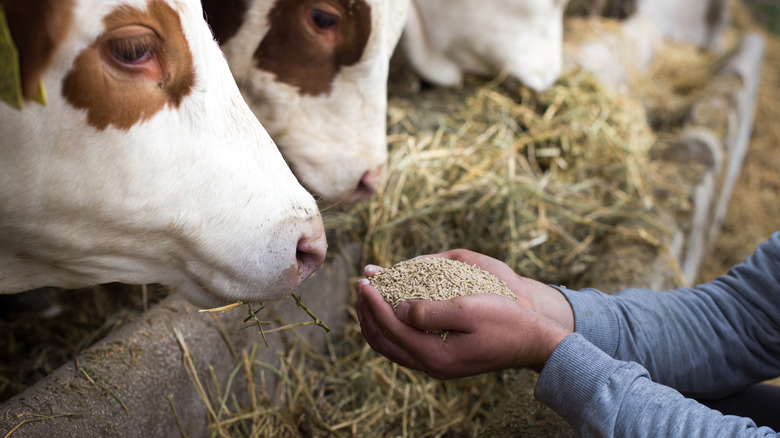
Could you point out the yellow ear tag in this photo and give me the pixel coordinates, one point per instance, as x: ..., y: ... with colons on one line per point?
x: 10, y: 75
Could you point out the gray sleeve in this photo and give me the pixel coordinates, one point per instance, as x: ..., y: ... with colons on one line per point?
x: 601, y: 396
x: 705, y: 341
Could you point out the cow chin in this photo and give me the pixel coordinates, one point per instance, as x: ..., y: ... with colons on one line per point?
x: 347, y: 171
x: 215, y: 290
x: 341, y: 187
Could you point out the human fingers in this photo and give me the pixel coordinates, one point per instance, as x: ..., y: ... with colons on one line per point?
x: 530, y: 293
x: 391, y: 337
x: 371, y: 270
x: 377, y: 320
x: 486, y: 332
x: 462, y: 314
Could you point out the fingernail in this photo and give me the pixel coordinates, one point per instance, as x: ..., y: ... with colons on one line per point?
x: 402, y: 311
x: 363, y: 282
x: 372, y: 269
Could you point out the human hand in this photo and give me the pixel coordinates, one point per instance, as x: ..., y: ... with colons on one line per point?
x: 531, y: 294
x: 487, y: 332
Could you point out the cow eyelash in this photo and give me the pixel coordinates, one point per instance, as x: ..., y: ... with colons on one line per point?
x: 132, y: 50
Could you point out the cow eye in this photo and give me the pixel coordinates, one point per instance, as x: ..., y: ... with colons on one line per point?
x: 323, y: 20
x: 132, y: 51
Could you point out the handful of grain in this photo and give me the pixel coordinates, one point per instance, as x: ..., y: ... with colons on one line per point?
x: 435, y: 279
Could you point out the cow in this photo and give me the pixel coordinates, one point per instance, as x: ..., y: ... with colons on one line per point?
x: 626, y: 48
x: 315, y: 74
x: 700, y: 22
x: 145, y: 165
x: 445, y: 39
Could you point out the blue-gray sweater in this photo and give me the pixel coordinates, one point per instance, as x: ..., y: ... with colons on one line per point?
x: 704, y: 342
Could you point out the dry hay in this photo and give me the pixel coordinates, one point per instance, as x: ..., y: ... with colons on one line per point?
x: 535, y: 180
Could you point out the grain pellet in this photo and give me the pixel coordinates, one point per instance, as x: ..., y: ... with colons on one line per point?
x: 435, y: 279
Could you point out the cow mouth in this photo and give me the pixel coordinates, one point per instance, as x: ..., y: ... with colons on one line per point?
x: 197, y: 294
x: 217, y: 290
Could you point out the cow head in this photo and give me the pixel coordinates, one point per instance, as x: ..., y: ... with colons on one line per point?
x: 315, y: 74
x: 145, y: 165
x: 444, y: 39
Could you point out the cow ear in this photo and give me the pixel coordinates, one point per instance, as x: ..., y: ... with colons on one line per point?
x: 37, y: 27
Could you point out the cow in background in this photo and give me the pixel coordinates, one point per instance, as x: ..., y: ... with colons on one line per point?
x: 315, y: 74
x: 445, y: 39
x: 617, y: 53
x: 145, y: 165
x: 700, y: 22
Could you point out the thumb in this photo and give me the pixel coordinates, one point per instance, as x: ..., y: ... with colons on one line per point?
x: 436, y: 315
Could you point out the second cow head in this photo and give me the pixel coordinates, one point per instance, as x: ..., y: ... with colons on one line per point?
x: 446, y: 39
x: 315, y: 74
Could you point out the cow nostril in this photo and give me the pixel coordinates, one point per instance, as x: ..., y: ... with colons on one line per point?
x: 364, y: 191
x: 310, y: 253
x: 366, y: 186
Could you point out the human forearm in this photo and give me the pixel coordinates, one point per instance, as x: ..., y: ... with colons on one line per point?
x: 715, y: 337
x: 601, y: 396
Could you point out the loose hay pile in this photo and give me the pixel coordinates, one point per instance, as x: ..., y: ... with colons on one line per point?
x: 535, y: 180
x: 436, y: 279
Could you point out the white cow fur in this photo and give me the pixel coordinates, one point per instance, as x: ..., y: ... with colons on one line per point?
x: 331, y: 141
x: 701, y: 22
x: 445, y: 39
x: 197, y: 197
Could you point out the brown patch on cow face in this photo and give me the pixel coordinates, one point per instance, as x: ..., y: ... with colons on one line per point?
x: 37, y: 29
x: 141, y: 63
x: 310, y: 40
x: 224, y: 17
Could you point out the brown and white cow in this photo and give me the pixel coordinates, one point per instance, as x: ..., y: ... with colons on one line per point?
x: 445, y: 39
x: 315, y: 74
x: 145, y: 165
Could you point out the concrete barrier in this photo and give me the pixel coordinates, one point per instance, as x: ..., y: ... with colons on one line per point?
x: 128, y: 384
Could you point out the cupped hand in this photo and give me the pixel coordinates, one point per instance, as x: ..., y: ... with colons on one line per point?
x: 486, y: 332
x: 531, y: 294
